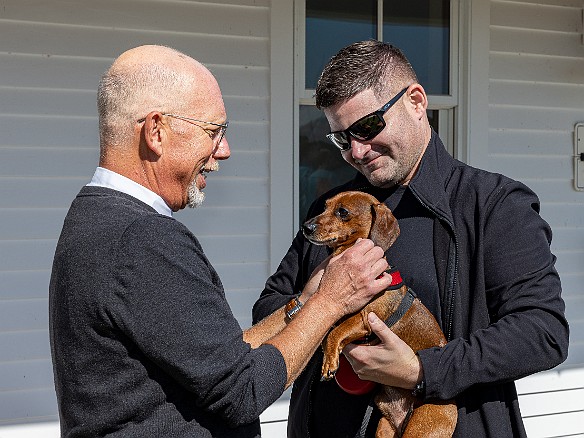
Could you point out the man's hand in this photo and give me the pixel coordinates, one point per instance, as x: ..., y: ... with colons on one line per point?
x: 353, y: 278
x: 392, y: 362
x: 343, y: 284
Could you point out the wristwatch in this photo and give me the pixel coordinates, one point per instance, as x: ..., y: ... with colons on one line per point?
x: 292, y: 308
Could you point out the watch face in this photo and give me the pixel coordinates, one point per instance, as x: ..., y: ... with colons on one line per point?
x: 292, y: 308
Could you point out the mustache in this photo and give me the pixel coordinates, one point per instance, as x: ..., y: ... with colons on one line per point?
x: 214, y: 166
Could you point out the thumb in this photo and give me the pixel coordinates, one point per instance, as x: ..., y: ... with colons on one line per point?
x: 379, y: 327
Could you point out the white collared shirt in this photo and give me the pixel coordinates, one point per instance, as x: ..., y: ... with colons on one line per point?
x: 112, y: 180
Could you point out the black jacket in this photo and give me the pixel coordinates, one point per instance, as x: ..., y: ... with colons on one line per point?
x: 501, y: 304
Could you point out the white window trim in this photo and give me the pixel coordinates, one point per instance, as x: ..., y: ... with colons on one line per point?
x: 282, y: 124
x: 472, y: 112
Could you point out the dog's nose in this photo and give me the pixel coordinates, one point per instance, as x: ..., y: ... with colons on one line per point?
x: 308, y: 228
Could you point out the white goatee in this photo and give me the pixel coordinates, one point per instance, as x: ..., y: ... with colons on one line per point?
x: 195, y: 196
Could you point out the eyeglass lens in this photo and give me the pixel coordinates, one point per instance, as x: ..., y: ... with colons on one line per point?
x: 367, y: 127
x: 363, y: 129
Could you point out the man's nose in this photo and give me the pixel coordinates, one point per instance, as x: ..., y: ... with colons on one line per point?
x: 223, y: 152
x: 359, y: 149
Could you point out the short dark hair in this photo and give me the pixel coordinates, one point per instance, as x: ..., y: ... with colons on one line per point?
x: 363, y: 65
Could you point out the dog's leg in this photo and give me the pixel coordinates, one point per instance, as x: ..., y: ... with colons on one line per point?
x: 395, y: 407
x: 348, y: 331
x: 432, y: 421
x: 385, y: 429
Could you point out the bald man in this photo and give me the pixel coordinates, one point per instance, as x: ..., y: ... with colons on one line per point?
x: 143, y: 341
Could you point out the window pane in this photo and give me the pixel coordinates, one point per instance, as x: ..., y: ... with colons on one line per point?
x: 421, y: 28
x: 332, y: 25
x: 321, y: 165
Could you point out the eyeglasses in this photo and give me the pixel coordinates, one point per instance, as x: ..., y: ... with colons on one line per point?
x: 366, y: 128
x: 215, y: 134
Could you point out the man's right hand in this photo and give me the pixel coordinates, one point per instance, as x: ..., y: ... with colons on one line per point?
x: 353, y: 278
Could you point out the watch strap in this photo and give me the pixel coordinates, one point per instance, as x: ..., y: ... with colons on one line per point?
x: 292, y: 308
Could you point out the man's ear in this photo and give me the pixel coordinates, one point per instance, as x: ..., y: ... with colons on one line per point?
x: 153, y: 132
x: 418, y: 99
x: 384, y: 227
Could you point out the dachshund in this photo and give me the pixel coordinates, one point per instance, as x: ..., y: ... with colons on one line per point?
x: 347, y: 217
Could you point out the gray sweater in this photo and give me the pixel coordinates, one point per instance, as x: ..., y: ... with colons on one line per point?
x: 143, y: 341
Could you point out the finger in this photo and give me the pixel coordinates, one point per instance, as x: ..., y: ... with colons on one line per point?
x: 363, y: 245
x: 348, y: 348
x: 375, y: 253
x: 380, y: 265
x: 378, y: 327
x: 383, y: 280
x: 350, y: 351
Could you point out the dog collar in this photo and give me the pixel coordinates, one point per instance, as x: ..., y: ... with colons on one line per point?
x: 403, y: 307
x: 396, y: 279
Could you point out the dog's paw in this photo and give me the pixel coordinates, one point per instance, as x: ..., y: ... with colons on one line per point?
x: 328, y: 375
x: 329, y: 369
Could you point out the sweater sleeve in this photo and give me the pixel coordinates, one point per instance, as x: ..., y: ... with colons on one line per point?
x: 526, y: 330
x: 171, y: 304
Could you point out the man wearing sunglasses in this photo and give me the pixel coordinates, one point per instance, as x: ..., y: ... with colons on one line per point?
x: 472, y: 246
x: 143, y: 341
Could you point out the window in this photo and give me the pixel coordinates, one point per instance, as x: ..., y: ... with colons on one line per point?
x: 421, y: 28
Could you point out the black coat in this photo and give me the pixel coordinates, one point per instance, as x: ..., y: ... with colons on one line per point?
x: 501, y: 304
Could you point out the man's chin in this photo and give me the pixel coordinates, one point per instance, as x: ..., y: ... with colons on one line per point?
x: 195, y: 197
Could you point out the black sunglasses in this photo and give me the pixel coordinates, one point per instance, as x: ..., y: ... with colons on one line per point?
x: 366, y: 128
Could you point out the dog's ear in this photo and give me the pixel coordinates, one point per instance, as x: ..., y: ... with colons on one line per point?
x: 384, y: 227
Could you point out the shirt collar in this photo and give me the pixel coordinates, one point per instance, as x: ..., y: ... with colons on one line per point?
x: 112, y: 180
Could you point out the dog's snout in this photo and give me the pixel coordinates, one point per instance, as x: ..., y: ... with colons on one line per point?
x: 309, y: 228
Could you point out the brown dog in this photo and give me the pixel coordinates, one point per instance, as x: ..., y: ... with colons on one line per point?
x: 347, y: 217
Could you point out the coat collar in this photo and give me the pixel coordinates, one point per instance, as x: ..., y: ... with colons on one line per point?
x: 428, y: 184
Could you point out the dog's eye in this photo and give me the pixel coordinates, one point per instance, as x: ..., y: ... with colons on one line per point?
x: 343, y: 213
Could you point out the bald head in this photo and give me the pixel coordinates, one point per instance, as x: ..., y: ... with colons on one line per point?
x: 144, y: 79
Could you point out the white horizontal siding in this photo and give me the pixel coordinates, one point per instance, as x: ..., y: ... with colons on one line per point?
x: 552, y: 403
x: 165, y: 16
x: 536, y: 96
x: 52, y: 55
x: 62, y: 41
x: 14, y: 285
x: 536, y: 15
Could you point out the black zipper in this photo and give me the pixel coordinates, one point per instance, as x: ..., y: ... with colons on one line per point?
x: 451, y: 271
